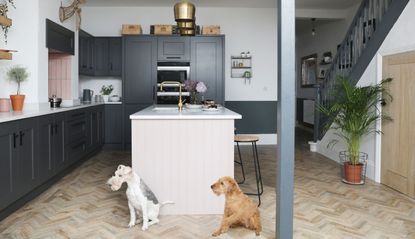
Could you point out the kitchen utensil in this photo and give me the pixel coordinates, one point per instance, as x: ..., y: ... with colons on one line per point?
x: 87, y: 95
x: 114, y: 98
x: 4, y: 105
x: 55, y: 102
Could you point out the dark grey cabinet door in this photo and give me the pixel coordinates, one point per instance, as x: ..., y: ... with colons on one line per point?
x: 115, y: 56
x: 101, y: 56
x: 140, y: 69
x: 173, y: 48
x: 83, y: 55
x: 27, y: 163
x: 129, y: 110
x: 90, y: 57
x: 207, y: 65
x: 101, y: 125
x: 113, y: 122
x: 60, y: 161
x: 46, y: 148
x: 8, y: 155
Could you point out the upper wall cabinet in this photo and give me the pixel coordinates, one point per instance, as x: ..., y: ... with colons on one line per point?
x: 59, y: 39
x: 207, y: 65
x: 173, y: 48
x: 100, y: 56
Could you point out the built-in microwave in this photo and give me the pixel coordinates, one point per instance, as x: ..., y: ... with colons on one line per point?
x: 172, y: 71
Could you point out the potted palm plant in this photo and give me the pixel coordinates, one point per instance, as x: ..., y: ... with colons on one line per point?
x: 17, y: 74
x: 353, y: 115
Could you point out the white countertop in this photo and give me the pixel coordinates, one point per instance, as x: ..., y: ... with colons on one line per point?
x: 42, y: 109
x: 164, y: 112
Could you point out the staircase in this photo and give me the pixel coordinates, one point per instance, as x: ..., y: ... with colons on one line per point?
x: 369, y: 28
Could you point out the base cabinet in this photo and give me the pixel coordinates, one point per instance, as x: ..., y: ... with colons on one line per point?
x: 18, y: 159
x: 113, y: 125
x: 35, y: 150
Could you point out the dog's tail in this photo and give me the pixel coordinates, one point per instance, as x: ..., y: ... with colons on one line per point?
x: 165, y: 203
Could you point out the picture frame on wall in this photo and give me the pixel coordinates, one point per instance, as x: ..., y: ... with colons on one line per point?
x: 322, y: 73
x: 309, y: 72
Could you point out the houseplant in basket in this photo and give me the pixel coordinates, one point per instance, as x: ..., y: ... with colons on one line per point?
x: 106, y: 92
x: 17, y: 74
x: 353, y: 115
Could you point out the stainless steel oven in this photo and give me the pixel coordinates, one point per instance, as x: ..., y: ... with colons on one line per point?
x: 172, y: 71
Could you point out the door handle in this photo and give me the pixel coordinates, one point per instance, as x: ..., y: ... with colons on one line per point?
x: 173, y: 57
x: 21, y: 137
x: 15, y: 136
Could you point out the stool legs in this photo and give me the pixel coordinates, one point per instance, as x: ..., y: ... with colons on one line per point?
x: 258, y: 177
x: 240, y: 163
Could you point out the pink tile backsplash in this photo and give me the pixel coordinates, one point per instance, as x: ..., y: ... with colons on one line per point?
x: 60, y: 82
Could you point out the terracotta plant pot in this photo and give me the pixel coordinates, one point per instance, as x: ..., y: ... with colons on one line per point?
x: 17, y: 102
x: 353, y: 173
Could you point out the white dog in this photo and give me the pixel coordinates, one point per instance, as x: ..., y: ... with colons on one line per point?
x: 140, y: 197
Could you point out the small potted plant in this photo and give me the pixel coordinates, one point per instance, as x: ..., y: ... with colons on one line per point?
x: 17, y: 74
x: 353, y: 115
x: 195, y: 88
x: 106, y: 92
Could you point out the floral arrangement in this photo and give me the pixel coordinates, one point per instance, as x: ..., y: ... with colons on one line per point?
x: 107, y: 90
x: 194, y: 87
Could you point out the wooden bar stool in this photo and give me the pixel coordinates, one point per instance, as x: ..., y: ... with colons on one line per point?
x: 251, y: 139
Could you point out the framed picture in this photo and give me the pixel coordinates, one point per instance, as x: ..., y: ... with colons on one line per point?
x: 322, y: 73
x: 309, y: 70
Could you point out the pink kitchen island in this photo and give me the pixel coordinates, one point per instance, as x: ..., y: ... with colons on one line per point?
x: 180, y: 154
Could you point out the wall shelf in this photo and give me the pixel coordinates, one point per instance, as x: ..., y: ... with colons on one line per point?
x: 4, y: 21
x: 6, y: 54
x: 240, y: 65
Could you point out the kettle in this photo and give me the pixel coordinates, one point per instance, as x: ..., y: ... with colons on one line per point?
x: 87, y: 95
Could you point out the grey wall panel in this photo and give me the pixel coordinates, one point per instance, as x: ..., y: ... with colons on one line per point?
x: 258, y: 117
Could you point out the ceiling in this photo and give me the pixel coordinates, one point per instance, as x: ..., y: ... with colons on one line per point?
x: 313, y: 4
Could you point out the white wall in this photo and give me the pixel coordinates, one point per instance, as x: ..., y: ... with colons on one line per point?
x: 23, y: 38
x: 246, y: 29
x: 28, y: 37
x: 400, y: 39
x: 95, y: 84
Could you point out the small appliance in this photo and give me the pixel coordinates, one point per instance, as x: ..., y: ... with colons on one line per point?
x: 87, y: 96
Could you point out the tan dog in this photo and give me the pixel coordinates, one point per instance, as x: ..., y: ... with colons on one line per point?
x: 240, y: 210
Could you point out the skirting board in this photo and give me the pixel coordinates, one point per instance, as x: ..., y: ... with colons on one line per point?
x: 265, y: 139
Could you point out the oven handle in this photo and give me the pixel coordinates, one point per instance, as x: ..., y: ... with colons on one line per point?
x: 173, y: 68
x: 172, y: 94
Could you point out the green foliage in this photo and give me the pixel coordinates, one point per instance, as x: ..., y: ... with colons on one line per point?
x: 355, y: 112
x: 107, y: 90
x: 17, y: 74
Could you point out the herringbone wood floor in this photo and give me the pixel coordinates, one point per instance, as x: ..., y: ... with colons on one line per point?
x: 81, y: 206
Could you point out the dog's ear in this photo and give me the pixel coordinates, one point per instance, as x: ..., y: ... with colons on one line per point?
x: 126, y: 170
x: 232, y: 185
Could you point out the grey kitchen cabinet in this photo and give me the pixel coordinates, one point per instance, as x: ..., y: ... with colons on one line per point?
x: 51, y: 145
x: 113, y: 122
x: 173, y: 48
x: 86, y: 53
x: 130, y: 109
x: 115, y: 56
x: 101, y: 56
x: 18, y: 162
x: 140, y: 69
x: 207, y: 60
x: 8, y: 155
x: 76, y: 135
x: 25, y: 168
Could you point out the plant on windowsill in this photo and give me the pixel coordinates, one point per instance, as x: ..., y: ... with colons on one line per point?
x: 106, y: 92
x: 195, y: 88
x: 17, y: 74
x: 354, y: 115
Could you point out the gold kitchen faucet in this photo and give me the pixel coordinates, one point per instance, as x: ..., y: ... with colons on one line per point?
x: 180, y: 104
